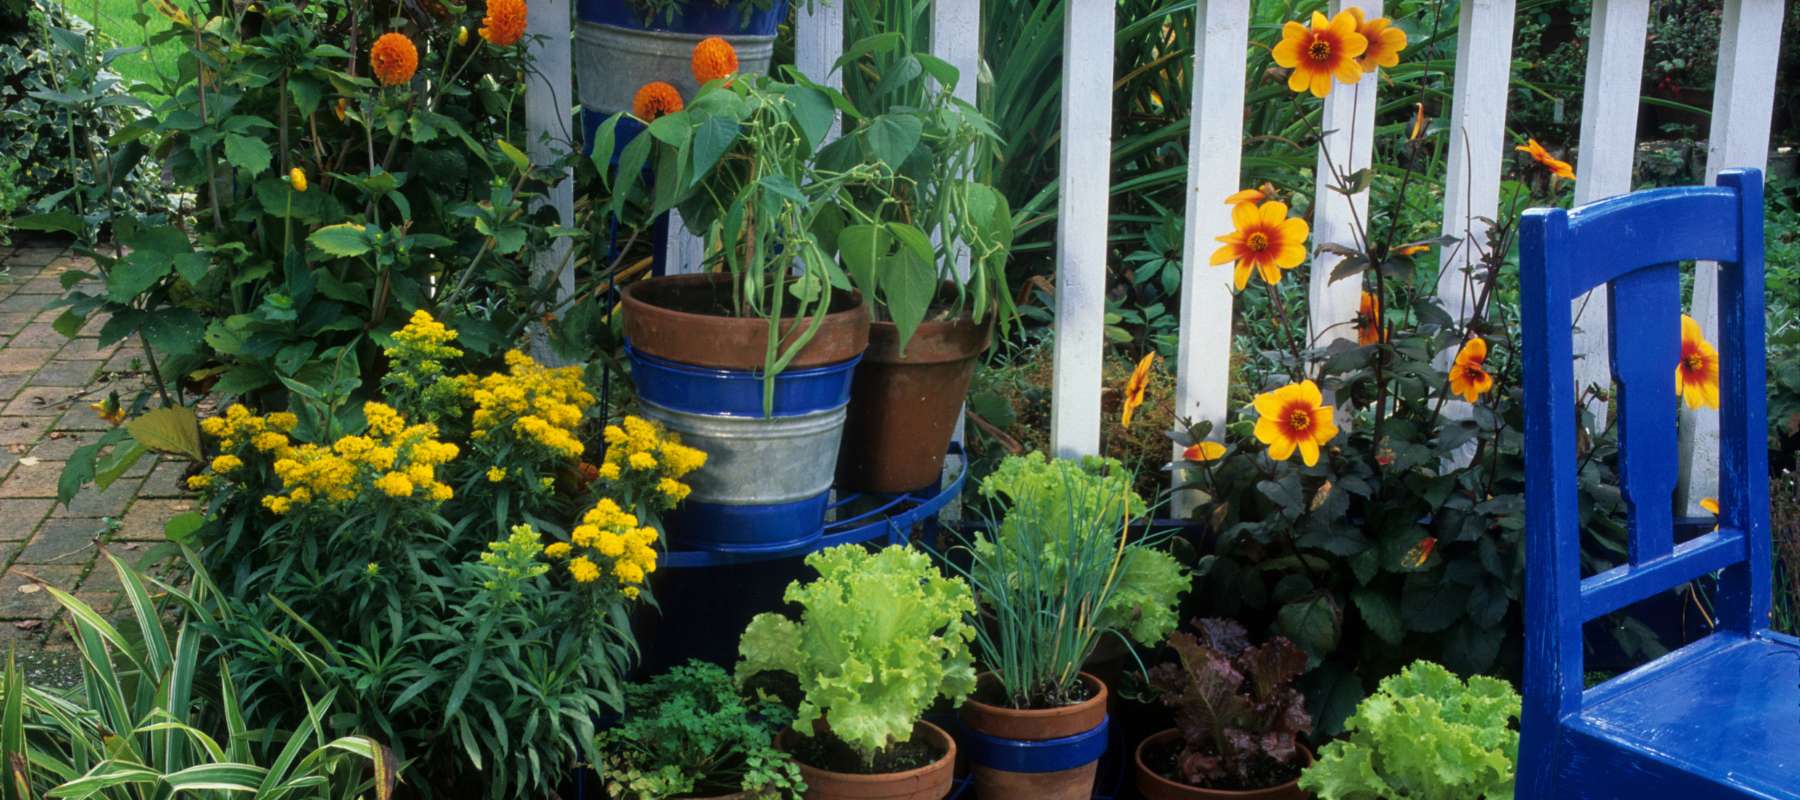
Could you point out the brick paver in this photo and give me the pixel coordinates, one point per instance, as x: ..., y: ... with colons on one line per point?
x: 46, y: 383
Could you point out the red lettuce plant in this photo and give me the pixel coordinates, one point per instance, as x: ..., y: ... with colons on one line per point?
x: 1239, y: 715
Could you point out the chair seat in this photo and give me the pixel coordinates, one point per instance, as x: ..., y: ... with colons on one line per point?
x: 1726, y: 709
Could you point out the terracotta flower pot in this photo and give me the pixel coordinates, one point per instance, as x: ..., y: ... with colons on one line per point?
x: 685, y: 318
x: 1153, y: 786
x: 903, y: 409
x: 1004, y: 767
x: 930, y: 782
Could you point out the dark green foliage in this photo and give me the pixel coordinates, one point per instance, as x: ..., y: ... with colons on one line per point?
x: 689, y: 733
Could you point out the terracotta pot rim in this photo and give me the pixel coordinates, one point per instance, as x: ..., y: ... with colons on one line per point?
x: 632, y: 294
x: 1099, y: 698
x: 725, y: 342
x: 1144, y: 770
x: 943, y: 738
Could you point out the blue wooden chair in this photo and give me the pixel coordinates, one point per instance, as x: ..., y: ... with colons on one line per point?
x: 1718, y: 718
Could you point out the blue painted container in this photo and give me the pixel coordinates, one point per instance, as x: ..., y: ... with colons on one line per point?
x: 1041, y: 754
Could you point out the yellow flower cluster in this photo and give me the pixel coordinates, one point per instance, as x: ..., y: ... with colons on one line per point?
x: 394, y: 458
x: 417, y: 381
x: 642, y: 455
x: 236, y: 428
x: 609, y: 535
x: 539, y: 404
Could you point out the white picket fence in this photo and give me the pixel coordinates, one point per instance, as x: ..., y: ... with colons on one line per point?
x: 1743, y: 104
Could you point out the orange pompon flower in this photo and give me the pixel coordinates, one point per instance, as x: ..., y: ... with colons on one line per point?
x: 1368, y: 320
x: 394, y: 59
x: 1558, y: 167
x: 1136, y: 386
x: 1468, y: 373
x: 714, y: 58
x: 1266, y: 240
x: 1385, y: 41
x: 655, y: 99
x: 1326, y: 50
x: 504, y: 24
x: 1252, y: 196
x: 1697, y: 375
x: 1294, y: 417
x: 1202, y: 452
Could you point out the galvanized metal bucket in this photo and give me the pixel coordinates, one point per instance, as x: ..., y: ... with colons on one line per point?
x: 617, y: 51
x: 767, y: 479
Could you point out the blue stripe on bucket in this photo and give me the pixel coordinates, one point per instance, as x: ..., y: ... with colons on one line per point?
x: 703, y: 18
x: 747, y: 529
x: 738, y: 393
x: 1049, y: 755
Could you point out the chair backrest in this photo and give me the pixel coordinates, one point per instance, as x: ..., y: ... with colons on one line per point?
x: 1632, y: 245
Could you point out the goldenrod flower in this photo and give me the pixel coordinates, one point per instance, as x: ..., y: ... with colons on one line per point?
x: 394, y: 484
x: 198, y: 482
x: 1368, y: 320
x: 1318, y: 54
x: 504, y: 23
x: 713, y: 58
x: 642, y: 461
x: 654, y: 100
x: 1266, y: 241
x: 1697, y: 374
x: 1135, y: 386
x: 1294, y: 417
x: 583, y: 570
x: 1385, y: 41
x: 496, y: 474
x: 226, y: 463
x: 558, y: 550
x: 297, y: 179
x: 394, y: 59
x: 1558, y: 168
x: 1202, y: 452
x: 1468, y: 374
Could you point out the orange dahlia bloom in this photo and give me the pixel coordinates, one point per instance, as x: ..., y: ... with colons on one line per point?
x: 1266, y: 240
x: 1294, y: 417
x: 1326, y: 50
x: 1697, y: 374
x: 655, y: 99
x: 504, y: 24
x: 714, y: 58
x: 1368, y: 320
x: 394, y: 59
x: 1136, y: 386
x: 1203, y: 452
x: 1558, y: 167
x: 1468, y: 374
x: 1385, y: 41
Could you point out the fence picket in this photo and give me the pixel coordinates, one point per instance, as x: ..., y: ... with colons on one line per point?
x: 1215, y: 155
x: 1082, y: 203
x: 956, y: 38
x: 1477, y: 147
x: 1743, y: 102
x: 818, y: 42
x: 1348, y: 120
x: 1609, y: 109
x: 548, y: 99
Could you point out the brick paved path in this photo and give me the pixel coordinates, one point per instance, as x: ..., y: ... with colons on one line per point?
x: 46, y: 384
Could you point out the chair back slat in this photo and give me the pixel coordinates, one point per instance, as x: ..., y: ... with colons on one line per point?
x: 1623, y: 234
x: 1646, y: 344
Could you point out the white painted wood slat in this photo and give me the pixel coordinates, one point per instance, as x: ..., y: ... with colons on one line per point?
x: 1349, y: 119
x: 818, y: 43
x: 1477, y: 147
x: 956, y: 38
x: 1215, y: 156
x: 549, y: 102
x: 1743, y: 101
x: 1609, y: 110
x: 1081, y: 226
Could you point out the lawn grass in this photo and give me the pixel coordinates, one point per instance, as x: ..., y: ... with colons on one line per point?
x: 117, y: 20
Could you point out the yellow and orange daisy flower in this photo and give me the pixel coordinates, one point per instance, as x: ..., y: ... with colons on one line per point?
x: 1202, y: 452
x: 1136, y: 386
x: 504, y: 24
x: 1266, y: 241
x: 1469, y: 377
x: 1251, y: 196
x: 1385, y: 41
x: 1294, y: 417
x: 1317, y: 54
x: 1711, y: 504
x: 1558, y: 167
x: 394, y: 59
x: 713, y: 58
x: 1368, y: 320
x: 1697, y: 374
x: 655, y: 99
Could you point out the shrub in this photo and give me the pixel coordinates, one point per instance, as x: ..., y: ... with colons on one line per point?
x: 1424, y: 734
x: 1239, y: 715
x: 880, y: 637
x: 688, y: 733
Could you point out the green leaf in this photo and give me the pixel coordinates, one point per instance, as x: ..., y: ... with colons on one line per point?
x: 713, y: 137
x: 1314, y: 624
x: 171, y: 429
x: 907, y: 285
x: 344, y: 240
x: 890, y: 138
x: 117, y: 463
x: 814, y: 112
x: 1378, y: 612
x: 50, y: 222
x: 519, y: 160
x: 135, y: 273
x: 247, y: 153
x: 182, y: 527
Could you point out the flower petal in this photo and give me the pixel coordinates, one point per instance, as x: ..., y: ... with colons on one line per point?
x: 1224, y: 255
x: 1309, y: 452
x: 1281, y: 449
x: 1287, y: 51
x: 1244, y: 215
x: 1309, y: 391
x: 1290, y: 255
x: 1299, y: 80
x: 1272, y: 213
x: 1243, y: 275
x: 1348, y: 71
x: 1321, y: 82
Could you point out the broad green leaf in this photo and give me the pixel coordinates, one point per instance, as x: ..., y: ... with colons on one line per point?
x: 248, y: 153
x: 183, y: 526
x: 1378, y: 612
x: 1312, y: 623
x: 890, y: 138
x: 344, y: 240
x: 519, y: 160
x: 134, y: 274
x: 172, y: 429
x: 713, y: 137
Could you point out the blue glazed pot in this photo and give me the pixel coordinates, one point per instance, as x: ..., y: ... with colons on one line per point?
x: 767, y: 478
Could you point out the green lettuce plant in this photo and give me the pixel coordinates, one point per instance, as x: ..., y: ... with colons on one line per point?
x: 688, y: 732
x: 880, y: 637
x: 1424, y: 734
x: 1062, y: 547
